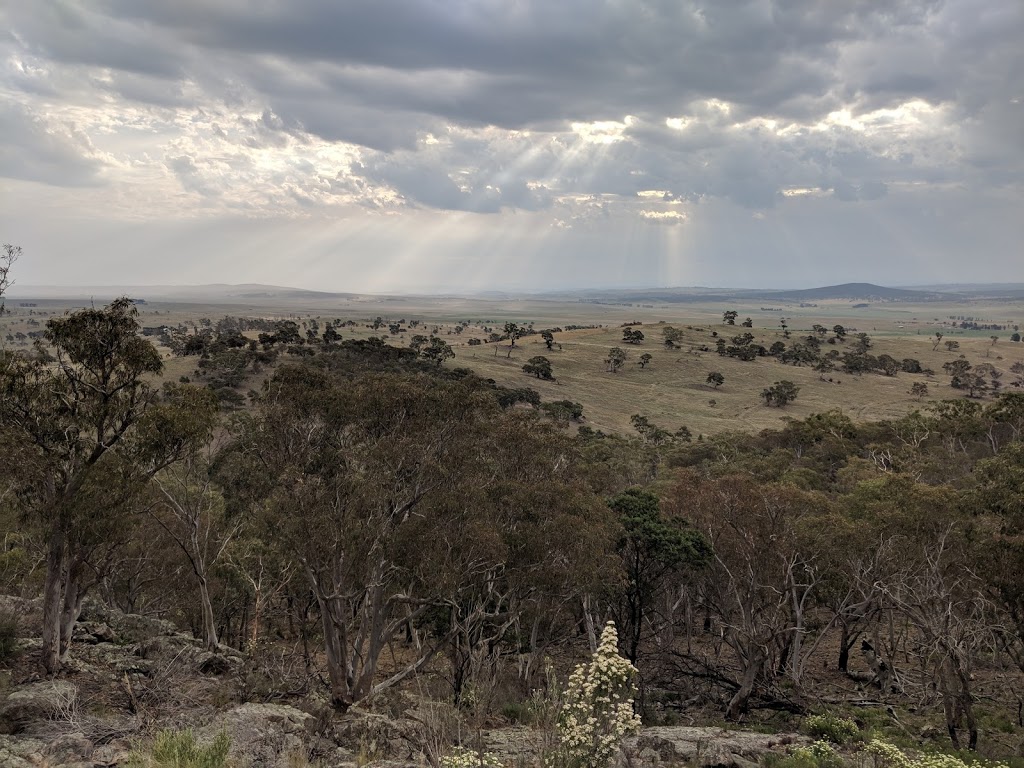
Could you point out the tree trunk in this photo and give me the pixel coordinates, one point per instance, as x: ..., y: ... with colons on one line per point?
x: 71, y: 608
x: 209, y: 624
x: 845, y: 642
x: 53, y: 598
x: 738, y: 703
x: 332, y: 618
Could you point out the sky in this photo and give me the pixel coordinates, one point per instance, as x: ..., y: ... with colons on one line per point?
x: 462, y: 145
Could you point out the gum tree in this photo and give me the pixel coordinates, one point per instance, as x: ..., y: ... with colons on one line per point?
x: 83, y: 435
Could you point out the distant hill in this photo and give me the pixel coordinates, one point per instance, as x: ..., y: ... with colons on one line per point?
x: 193, y: 293
x: 859, y: 292
x: 856, y: 292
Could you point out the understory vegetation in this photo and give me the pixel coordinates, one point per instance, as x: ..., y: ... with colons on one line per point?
x: 375, y: 520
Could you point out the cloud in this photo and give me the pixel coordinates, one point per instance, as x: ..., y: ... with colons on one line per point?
x: 570, y: 110
x: 32, y: 150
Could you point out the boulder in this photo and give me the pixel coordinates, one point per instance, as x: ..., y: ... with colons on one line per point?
x: 705, y: 747
x: 21, y: 752
x: 39, y: 701
x: 265, y: 734
x: 70, y: 749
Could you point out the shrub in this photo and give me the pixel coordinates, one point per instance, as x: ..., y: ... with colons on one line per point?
x: 179, y: 749
x: 820, y: 754
x: 598, y: 712
x: 889, y: 756
x: 468, y: 758
x: 831, y: 727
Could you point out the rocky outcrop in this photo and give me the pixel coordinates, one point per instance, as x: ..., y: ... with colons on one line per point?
x: 269, y: 735
x: 39, y: 701
x: 705, y: 747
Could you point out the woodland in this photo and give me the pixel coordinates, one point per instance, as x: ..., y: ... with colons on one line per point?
x: 371, y: 519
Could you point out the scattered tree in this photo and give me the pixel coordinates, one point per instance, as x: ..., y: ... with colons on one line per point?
x: 729, y: 316
x: 781, y: 393
x: 919, y: 389
x: 715, y: 379
x: 540, y: 367
x: 616, y: 359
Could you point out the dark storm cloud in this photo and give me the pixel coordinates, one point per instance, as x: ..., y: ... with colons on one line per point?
x: 528, y: 62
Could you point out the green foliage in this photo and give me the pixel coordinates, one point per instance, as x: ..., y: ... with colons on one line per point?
x: 540, y: 367
x: 781, y: 393
x: 180, y: 749
x: 820, y: 754
x: 838, y: 730
x: 886, y: 755
x: 616, y: 358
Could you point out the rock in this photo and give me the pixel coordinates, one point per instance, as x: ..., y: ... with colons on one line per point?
x: 114, y: 753
x: 214, y: 663
x: 705, y: 747
x: 265, y: 734
x: 39, y: 701
x: 20, y: 752
x: 93, y: 632
x: 69, y: 749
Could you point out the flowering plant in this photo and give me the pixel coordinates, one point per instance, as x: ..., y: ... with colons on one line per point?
x: 598, y: 712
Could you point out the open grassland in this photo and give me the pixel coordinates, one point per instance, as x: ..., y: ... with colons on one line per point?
x: 671, y: 391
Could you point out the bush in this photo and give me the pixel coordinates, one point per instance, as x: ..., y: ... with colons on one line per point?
x: 831, y: 727
x: 468, y: 758
x: 820, y: 754
x: 598, y: 711
x: 179, y: 749
x: 889, y: 756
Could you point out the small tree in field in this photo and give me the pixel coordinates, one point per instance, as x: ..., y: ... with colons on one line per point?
x: 549, y: 339
x: 729, y: 317
x: 781, y: 393
x: 918, y: 389
x: 715, y: 379
x: 616, y: 359
x: 598, y: 712
x: 540, y: 367
x: 645, y: 358
x: 952, y: 345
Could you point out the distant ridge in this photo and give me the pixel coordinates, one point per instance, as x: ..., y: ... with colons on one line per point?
x: 857, y: 292
x: 210, y: 292
x: 854, y: 292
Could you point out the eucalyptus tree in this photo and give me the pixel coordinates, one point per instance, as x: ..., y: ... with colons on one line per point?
x: 83, y: 434
x: 8, y: 255
x: 353, y: 476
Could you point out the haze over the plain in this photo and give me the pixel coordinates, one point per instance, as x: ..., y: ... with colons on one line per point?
x: 407, y: 145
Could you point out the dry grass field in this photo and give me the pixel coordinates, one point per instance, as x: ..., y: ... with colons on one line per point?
x: 671, y: 391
